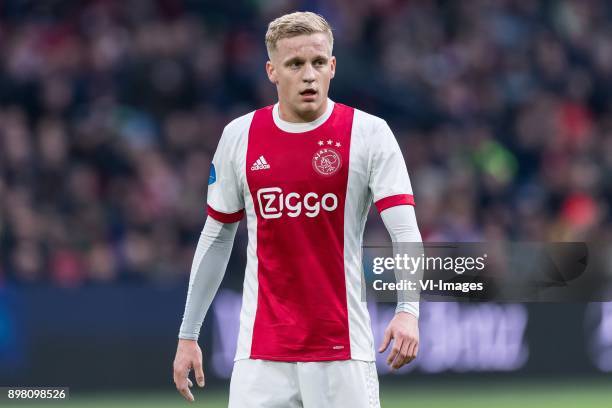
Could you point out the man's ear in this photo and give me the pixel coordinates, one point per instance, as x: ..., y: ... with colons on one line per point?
x: 332, y: 66
x: 271, y: 71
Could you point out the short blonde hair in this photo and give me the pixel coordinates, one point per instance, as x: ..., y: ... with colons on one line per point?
x: 294, y: 24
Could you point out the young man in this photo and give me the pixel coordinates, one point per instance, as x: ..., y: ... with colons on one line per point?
x: 305, y: 172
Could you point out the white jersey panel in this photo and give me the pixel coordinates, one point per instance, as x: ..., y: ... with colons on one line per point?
x: 357, y: 205
x: 238, y: 133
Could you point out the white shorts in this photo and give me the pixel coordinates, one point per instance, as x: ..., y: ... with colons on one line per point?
x: 330, y: 384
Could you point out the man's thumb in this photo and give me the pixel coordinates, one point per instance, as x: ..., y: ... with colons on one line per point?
x: 199, y: 374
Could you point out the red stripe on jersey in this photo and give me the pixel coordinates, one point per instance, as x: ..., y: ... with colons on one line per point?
x: 394, y: 200
x: 302, y: 312
x: 225, y: 217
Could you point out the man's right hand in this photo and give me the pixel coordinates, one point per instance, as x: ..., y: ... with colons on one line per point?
x: 188, y: 356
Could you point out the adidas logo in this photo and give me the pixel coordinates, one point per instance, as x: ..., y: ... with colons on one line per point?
x: 260, y: 164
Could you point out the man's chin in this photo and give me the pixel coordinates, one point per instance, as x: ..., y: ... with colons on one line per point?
x: 309, y: 106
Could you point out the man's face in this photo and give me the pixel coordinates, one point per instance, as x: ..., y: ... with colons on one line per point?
x: 302, y: 67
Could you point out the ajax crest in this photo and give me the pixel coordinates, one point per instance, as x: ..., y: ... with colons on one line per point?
x: 326, y: 161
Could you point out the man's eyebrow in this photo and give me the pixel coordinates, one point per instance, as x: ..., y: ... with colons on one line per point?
x: 300, y: 59
x: 320, y: 57
x: 293, y: 60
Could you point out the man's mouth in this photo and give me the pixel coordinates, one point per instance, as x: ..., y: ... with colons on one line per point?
x: 308, y: 92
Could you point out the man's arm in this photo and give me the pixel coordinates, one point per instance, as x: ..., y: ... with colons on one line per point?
x: 401, y: 224
x: 209, y: 263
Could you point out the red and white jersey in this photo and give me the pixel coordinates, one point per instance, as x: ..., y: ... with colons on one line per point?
x: 306, y: 189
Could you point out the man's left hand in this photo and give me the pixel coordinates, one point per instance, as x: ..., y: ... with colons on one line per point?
x: 404, y: 330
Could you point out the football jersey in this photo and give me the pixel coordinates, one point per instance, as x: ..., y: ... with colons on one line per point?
x: 306, y: 189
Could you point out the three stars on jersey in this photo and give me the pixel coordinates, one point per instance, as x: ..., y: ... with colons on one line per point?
x: 329, y: 142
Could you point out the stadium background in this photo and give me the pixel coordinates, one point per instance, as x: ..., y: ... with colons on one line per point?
x: 109, y: 115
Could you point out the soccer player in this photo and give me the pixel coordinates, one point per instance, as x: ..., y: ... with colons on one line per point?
x: 305, y: 171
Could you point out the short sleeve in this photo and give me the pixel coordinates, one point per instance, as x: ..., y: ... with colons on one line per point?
x: 225, y: 199
x: 389, y: 181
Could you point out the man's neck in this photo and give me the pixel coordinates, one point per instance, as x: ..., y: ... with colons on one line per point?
x: 303, y: 125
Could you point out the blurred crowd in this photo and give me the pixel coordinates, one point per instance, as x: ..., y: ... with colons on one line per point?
x: 110, y: 113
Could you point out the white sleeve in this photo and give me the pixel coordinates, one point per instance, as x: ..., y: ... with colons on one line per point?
x: 388, y: 180
x: 225, y: 197
x: 209, y: 263
x: 401, y: 224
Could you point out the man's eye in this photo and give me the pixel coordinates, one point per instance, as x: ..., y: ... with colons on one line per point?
x: 295, y: 65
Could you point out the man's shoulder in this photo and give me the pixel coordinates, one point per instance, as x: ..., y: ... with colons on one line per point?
x: 364, y: 119
x: 239, y: 125
x: 366, y: 123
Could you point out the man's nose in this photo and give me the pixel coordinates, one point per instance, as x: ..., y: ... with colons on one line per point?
x: 309, y: 73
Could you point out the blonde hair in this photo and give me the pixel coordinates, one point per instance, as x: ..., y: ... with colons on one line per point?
x: 294, y: 24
